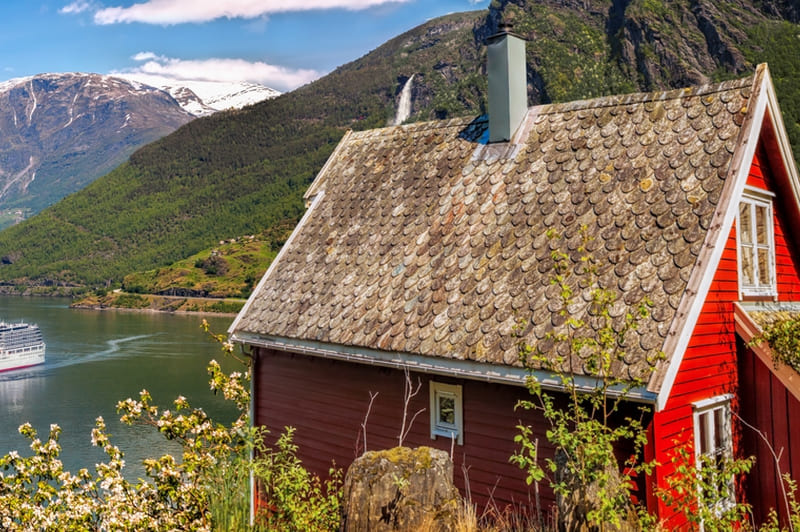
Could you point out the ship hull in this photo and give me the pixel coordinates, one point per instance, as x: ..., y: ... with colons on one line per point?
x: 22, y: 358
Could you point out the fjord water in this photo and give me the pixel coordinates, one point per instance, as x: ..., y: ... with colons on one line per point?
x: 95, y: 359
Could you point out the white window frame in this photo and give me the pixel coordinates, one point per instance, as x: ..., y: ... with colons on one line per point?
x: 439, y: 427
x: 754, y: 197
x: 704, y: 413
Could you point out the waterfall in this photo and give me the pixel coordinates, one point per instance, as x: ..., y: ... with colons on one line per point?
x: 404, y: 107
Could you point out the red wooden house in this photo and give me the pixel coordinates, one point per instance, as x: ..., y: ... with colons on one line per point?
x: 424, y: 245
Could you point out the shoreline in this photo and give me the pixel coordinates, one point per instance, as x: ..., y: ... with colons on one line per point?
x: 156, y: 303
x: 119, y: 300
x: 103, y: 308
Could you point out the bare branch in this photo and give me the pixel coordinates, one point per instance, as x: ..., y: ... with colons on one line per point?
x: 777, y: 458
x: 408, y: 393
x: 363, y: 430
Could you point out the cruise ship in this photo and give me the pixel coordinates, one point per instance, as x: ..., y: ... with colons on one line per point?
x: 21, y: 345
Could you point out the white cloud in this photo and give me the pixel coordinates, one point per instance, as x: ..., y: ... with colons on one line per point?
x: 79, y: 6
x: 182, y: 11
x: 171, y: 70
x: 146, y: 56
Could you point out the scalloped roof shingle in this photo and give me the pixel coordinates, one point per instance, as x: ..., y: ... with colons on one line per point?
x: 428, y: 241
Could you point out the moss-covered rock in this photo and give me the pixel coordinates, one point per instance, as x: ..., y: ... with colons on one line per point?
x: 400, y: 489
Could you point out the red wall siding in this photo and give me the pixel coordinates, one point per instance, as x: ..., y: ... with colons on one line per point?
x: 709, y: 366
x: 768, y: 406
x: 326, y: 401
x: 708, y: 369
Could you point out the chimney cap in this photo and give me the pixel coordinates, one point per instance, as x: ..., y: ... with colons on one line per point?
x: 504, y: 28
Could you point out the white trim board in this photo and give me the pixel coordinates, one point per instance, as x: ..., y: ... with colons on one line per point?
x: 682, y: 327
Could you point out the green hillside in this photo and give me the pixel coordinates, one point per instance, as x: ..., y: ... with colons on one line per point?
x: 241, y: 172
x: 230, y: 269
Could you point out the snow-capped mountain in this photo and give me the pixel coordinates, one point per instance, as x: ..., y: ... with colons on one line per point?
x: 59, y: 132
x: 221, y: 96
x: 202, y: 98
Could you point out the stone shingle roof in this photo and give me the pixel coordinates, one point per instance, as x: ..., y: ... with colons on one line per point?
x: 428, y: 241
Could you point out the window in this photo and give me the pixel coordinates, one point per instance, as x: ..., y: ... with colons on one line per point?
x: 755, y: 244
x: 714, y: 448
x: 446, y: 414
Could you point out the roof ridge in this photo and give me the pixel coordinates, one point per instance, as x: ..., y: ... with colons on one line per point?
x: 600, y: 102
x: 614, y: 100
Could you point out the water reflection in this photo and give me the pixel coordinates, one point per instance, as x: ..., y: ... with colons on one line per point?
x: 15, y: 388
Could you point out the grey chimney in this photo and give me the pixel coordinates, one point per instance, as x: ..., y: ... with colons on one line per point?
x: 508, y: 87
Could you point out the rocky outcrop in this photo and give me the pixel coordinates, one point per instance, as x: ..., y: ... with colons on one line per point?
x: 673, y: 44
x: 400, y: 489
x: 788, y: 9
x: 10, y: 258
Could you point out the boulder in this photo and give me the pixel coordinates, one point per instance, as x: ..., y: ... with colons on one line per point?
x: 572, y: 508
x: 400, y: 489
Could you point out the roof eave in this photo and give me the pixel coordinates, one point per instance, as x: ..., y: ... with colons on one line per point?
x: 466, y: 369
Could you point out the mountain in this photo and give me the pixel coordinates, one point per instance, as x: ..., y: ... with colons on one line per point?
x: 223, y: 96
x: 59, y: 132
x: 240, y: 172
x: 203, y: 98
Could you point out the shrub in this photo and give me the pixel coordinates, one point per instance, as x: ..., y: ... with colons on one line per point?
x: 585, y: 474
x: 704, y: 489
x: 783, y: 338
x: 131, y: 301
x: 213, y: 265
x: 206, y: 489
x: 230, y: 307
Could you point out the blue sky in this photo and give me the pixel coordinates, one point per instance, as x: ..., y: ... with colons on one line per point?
x: 278, y: 43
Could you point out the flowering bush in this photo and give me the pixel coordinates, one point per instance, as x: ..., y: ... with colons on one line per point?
x: 187, y: 494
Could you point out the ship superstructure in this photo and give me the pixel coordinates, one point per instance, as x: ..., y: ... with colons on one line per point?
x: 21, y: 345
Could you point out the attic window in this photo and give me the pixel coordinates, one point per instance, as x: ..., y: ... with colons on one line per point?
x: 756, y: 244
x: 446, y: 413
x: 713, y: 448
